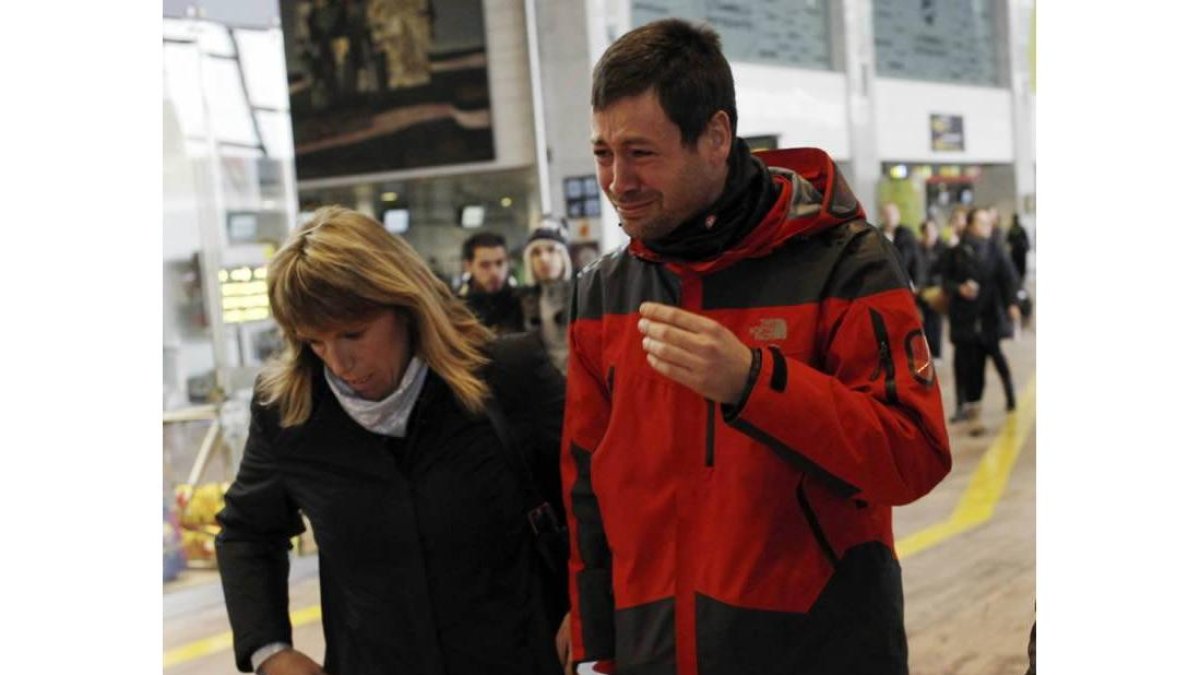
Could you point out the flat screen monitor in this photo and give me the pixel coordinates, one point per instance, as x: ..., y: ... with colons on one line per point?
x: 471, y: 216
x: 396, y: 221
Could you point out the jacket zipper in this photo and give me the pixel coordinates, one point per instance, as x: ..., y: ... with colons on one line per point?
x: 710, y: 437
x: 886, y: 363
x: 814, y: 524
x: 690, y: 288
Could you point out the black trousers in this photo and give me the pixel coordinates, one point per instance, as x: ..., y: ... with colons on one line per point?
x: 932, y: 321
x: 970, y: 359
x: 963, y: 359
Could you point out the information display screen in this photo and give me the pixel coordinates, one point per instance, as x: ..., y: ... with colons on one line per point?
x: 938, y: 40
x: 244, y: 294
x: 778, y: 32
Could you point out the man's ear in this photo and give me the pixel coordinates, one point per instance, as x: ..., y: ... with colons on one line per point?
x: 718, y: 137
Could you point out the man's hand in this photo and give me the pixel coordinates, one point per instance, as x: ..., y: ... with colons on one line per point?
x: 290, y: 662
x: 694, y: 351
x: 562, y: 644
x: 969, y: 289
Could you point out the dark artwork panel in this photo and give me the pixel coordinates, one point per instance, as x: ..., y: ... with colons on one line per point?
x: 385, y: 85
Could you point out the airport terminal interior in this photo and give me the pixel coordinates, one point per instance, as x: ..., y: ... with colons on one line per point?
x: 445, y: 118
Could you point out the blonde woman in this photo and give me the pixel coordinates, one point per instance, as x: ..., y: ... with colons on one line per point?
x: 545, y: 297
x: 372, y: 423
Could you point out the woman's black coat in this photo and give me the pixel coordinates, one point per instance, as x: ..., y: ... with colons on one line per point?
x: 984, y: 319
x: 426, y: 565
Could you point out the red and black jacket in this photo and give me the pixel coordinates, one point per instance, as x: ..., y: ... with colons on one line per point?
x: 719, y: 541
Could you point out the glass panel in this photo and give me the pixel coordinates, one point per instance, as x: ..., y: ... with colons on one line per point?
x: 939, y: 40
x: 215, y: 39
x: 181, y: 84
x: 239, y: 151
x: 261, y: 54
x: 196, y: 147
x: 781, y: 32
x: 227, y: 103
x: 177, y: 29
x: 276, y: 130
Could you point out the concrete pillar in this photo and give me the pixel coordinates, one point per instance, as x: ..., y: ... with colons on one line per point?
x: 1019, y: 29
x: 608, y: 20
x: 537, y: 102
x: 364, y: 199
x: 211, y: 220
x: 564, y: 75
x: 853, y: 26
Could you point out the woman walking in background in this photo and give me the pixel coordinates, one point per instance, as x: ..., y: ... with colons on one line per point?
x: 932, y: 251
x: 982, y: 286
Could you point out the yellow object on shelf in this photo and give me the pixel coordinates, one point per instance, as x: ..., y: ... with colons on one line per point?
x: 198, y: 509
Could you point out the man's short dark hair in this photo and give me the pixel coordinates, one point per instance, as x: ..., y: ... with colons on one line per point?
x: 481, y: 240
x: 680, y: 61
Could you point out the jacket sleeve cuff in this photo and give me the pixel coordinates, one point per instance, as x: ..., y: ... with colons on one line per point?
x: 265, y: 652
x: 603, y: 667
x: 731, y: 411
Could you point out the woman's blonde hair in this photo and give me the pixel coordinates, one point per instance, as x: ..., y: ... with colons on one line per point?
x: 342, y: 267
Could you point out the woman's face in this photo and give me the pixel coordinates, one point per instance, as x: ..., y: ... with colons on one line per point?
x: 547, y: 261
x: 369, y: 355
x: 930, y: 230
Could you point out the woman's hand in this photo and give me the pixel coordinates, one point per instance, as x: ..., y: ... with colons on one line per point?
x: 562, y: 644
x: 290, y: 662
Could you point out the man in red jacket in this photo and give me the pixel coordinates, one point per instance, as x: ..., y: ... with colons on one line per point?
x: 749, y: 394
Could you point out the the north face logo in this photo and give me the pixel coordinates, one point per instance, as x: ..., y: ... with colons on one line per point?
x: 920, y: 361
x: 769, y: 330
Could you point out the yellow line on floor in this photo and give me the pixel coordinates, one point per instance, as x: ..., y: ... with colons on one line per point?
x: 974, y: 508
x: 978, y: 502
x: 224, y: 641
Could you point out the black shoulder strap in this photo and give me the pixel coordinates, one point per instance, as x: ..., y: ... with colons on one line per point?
x: 549, y: 535
x: 537, y: 509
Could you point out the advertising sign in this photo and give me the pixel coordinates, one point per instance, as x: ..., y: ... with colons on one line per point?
x: 946, y: 132
x: 385, y: 85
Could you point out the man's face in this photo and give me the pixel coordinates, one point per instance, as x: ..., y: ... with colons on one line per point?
x: 891, y: 216
x: 489, y: 268
x: 981, y: 225
x: 546, y: 260
x: 651, y: 178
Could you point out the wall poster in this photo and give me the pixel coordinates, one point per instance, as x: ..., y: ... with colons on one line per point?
x: 386, y: 85
x: 946, y: 133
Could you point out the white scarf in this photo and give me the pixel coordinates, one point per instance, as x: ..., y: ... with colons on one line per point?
x: 389, y: 415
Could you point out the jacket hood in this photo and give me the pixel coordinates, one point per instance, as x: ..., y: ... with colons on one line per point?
x: 813, y: 197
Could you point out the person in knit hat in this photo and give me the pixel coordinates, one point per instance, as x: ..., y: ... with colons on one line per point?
x: 548, y: 277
